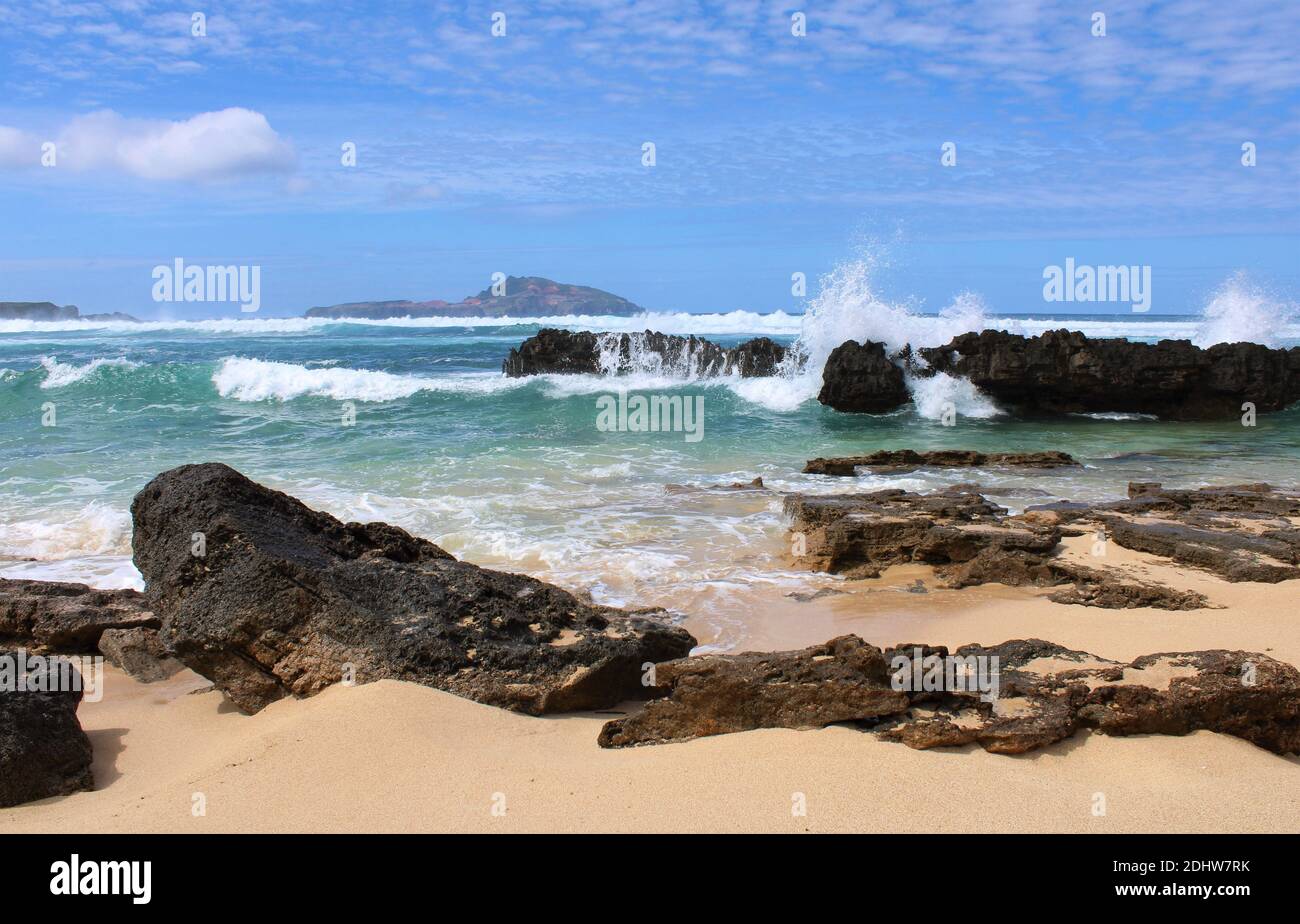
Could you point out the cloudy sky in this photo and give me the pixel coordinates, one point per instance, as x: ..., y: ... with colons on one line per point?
x: 523, y: 153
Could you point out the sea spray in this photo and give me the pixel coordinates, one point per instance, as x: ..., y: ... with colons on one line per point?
x: 847, y: 307
x: 1241, y: 311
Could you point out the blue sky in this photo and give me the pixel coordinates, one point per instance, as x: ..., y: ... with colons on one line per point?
x: 522, y: 153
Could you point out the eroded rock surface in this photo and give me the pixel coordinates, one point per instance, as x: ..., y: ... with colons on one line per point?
x: 1241, y: 533
x: 287, y: 600
x: 66, y: 618
x: 140, y: 653
x: 906, y: 460
x: 551, y: 351
x: 1044, y: 693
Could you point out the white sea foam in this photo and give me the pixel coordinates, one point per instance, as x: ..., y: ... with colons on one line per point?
x: 59, y: 375
x: 260, y: 380
x: 935, y: 395
x: 95, y: 529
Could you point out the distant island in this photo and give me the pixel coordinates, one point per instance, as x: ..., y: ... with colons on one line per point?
x: 525, y: 297
x: 48, y: 311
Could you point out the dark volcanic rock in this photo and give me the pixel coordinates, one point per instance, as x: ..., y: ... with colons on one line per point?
x: 906, y: 460
x: 52, y: 616
x: 860, y: 377
x: 287, y: 599
x: 842, y: 680
x: 43, y: 751
x: 1063, y: 371
x: 568, y: 352
x: 1043, y: 693
x: 140, y: 653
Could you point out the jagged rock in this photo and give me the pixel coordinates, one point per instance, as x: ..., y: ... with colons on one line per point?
x: 287, y: 600
x: 1047, y: 693
x: 1239, y: 532
x: 966, y: 538
x: 717, y: 694
x: 53, y: 616
x: 861, y: 377
x: 1063, y: 371
x: 140, y: 653
x: 43, y: 751
x: 552, y: 351
x: 906, y: 460
x: 1040, y: 693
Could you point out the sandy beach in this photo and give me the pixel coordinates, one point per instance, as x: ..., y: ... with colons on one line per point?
x: 393, y: 756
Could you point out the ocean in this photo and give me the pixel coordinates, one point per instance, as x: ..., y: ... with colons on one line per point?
x: 411, y: 422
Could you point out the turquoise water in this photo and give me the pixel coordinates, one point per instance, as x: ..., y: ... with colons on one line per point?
x: 513, y: 474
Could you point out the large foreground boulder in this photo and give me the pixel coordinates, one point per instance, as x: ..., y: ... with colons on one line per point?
x: 43, y: 751
x: 1063, y: 371
x: 65, y: 618
x: 552, y: 351
x: 267, y: 598
x: 1008, y: 698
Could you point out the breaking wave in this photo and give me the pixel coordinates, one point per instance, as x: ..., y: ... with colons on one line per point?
x: 59, y: 375
x: 260, y: 380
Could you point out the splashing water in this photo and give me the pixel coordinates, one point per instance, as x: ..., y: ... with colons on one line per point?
x: 847, y: 308
x: 1239, y: 311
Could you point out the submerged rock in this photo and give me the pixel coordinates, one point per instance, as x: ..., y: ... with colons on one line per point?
x: 43, y: 751
x: 888, y: 461
x: 1041, y: 693
x: 1063, y: 371
x: 286, y: 600
x: 551, y: 351
x: 66, y: 618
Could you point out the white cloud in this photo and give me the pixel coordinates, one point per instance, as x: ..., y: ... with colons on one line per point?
x: 209, y: 146
x: 18, y: 148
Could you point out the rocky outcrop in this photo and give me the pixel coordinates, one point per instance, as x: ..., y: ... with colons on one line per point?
x: 1048, y: 693
x: 140, y: 653
x: 889, y: 461
x: 519, y: 297
x: 1063, y: 371
x: 1040, y: 693
x: 552, y: 351
x: 862, y: 378
x: 43, y: 751
x: 843, y: 680
x: 286, y: 600
x: 53, y: 616
x: 1240, y: 533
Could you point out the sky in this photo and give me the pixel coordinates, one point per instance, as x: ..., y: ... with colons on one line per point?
x: 523, y: 153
